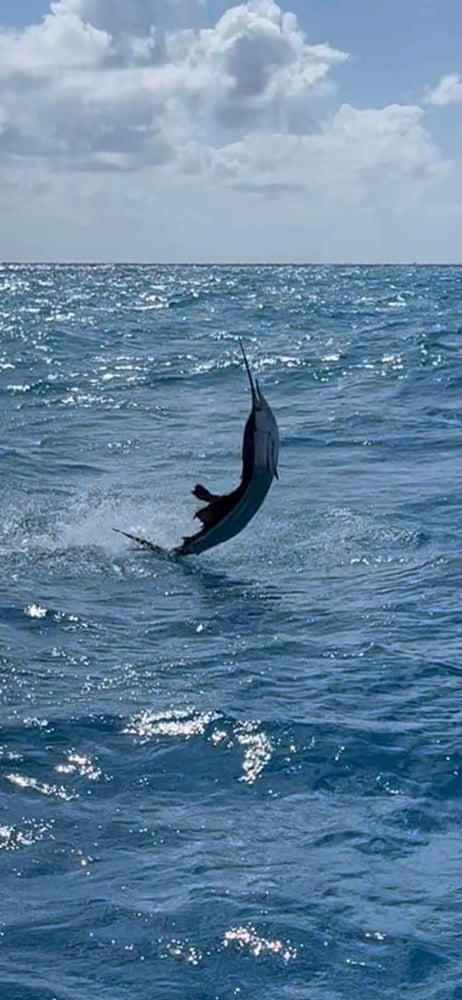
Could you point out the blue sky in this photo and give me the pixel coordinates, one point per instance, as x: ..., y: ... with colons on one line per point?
x: 246, y: 141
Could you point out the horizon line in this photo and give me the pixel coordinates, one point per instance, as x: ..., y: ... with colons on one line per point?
x: 212, y: 263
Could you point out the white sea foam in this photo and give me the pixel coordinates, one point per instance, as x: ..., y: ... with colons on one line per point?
x: 87, y: 521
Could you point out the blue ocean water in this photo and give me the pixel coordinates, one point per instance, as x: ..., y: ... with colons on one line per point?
x: 238, y: 775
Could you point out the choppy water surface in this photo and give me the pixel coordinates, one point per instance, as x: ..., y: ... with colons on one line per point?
x: 237, y: 775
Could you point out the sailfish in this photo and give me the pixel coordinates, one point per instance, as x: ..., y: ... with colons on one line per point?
x: 225, y: 515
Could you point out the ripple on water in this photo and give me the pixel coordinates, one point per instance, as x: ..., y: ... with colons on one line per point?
x: 186, y: 724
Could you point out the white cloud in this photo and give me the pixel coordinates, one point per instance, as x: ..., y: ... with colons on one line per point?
x: 356, y: 154
x: 103, y: 88
x: 106, y: 89
x: 260, y: 60
x: 61, y: 41
x: 447, y: 91
x: 127, y: 17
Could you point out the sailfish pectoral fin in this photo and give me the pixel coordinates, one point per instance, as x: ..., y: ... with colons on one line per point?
x: 202, y: 493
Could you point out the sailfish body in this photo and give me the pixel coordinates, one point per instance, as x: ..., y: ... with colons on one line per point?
x: 224, y: 516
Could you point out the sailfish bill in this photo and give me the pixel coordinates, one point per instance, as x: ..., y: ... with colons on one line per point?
x: 224, y: 516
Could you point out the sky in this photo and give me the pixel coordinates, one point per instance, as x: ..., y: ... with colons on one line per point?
x: 203, y: 130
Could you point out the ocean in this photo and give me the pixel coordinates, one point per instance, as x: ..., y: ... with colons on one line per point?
x: 236, y: 775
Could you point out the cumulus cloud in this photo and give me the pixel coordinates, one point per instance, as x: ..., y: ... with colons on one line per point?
x: 61, y: 41
x: 107, y: 87
x: 356, y: 153
x: 132, y: 16
x: 447, y: 91
x: 263, y: 64
x: 136, y: 18
x: 101, y: 77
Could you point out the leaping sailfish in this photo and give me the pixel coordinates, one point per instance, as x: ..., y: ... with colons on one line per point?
x: 224, y: 516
